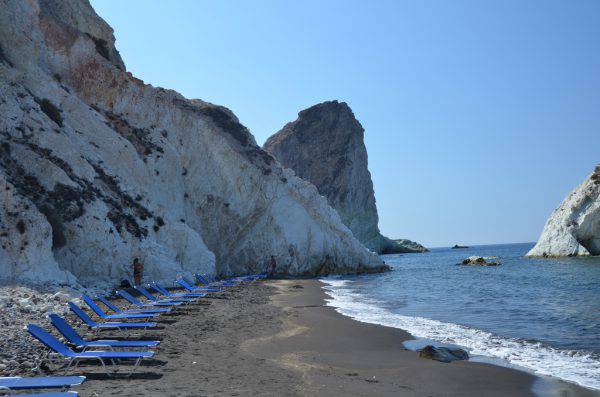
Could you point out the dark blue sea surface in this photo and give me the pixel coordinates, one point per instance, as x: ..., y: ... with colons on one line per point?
x: 539, y: 314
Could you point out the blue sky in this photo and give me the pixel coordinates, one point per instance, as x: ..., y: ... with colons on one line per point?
x: 479, y: 116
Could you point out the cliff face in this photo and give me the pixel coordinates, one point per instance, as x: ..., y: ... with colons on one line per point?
x: 97, y: 168
x: 574, y: 227
x: 325, y: 146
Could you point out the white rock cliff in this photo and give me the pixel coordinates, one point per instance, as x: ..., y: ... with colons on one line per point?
x: 574, y: 227
x: 97, y: 168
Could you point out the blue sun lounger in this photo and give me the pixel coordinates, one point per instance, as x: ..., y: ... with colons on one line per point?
x: 109, y: 324
x: 154, y: 299
x: 129, y: 298
x: 17, y: 383
x: 249, y: 277
x: 237, y: 279
x: 213, y: 288
x: 75, y: 339
x: 103, y: 356
x: 205, y: 282
x: 163, y: 291
x: 193, y: 288
x: 232, y: 281
x: 115, y: 309
x: 120, y: 316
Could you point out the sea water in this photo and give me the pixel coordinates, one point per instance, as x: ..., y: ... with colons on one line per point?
x: 541, y: 315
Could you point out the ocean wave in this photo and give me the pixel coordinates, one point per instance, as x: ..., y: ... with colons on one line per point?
x: 579, y: 367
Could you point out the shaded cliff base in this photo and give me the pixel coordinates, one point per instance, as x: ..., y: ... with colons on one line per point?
x: 278, y: 339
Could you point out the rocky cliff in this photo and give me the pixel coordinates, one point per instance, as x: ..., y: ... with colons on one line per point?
x: 325, y: 146
x: 97, y: 168
x: 574, y: 227
x: 411, y: 245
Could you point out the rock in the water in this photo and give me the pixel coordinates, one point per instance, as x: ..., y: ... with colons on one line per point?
x: 456, y: 246
x: 443, y: 354
x: 97, y: 168
x: 325, y: 146
x: 481, y: 261
x: 574, y: 227
x: 413, y: 246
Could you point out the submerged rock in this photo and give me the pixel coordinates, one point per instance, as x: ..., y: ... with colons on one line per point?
x: 98, y: 168
x: 481, y: 261
x: 443, y: 354
x: 325, y: 146
x: 574, y: 227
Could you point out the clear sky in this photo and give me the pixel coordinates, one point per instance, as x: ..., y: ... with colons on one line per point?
x: 479, y: 116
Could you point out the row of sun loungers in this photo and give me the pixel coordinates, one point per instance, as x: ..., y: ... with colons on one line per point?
x: 109, y: 352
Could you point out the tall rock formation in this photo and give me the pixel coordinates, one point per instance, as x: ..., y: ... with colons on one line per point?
x: 97, y: 168
x: 574, y: 227
x: 325, y: 146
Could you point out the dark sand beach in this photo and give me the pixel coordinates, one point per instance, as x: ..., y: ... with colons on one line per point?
x: 278, y: 339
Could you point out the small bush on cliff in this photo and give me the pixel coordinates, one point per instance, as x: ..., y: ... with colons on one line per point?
x: 101, y: 46
x: 4, y: 59
x: 51, y: 111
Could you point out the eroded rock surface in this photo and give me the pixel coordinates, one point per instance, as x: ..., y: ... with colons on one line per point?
x: 97, y: 168
x: 325, y: 146
x: 574, y: 227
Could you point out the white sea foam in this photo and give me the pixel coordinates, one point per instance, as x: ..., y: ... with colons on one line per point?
x: 573, y: 366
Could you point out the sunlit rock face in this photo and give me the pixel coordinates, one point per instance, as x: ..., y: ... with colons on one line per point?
x: 98, y: 168
x: 574, y: 227
x: 325, y: 146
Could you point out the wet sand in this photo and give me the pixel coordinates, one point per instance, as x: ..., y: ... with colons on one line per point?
x: 278, y: 339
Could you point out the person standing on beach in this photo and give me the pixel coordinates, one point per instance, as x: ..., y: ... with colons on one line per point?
x: 273, y: 265
x: 138, y: 269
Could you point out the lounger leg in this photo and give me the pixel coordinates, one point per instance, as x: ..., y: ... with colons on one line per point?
x: 104, y: 367
x: 52, y: 360
x: 76, y: 364
x: 137, y: 362
x: 41, y: 360
x: 69, y: 364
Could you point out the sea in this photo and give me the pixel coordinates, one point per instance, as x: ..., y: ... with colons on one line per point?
x: 538, y: 315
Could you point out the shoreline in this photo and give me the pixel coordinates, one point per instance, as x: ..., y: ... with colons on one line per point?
x: 396, y: 368
x: 542, y: 385
x: 277, y: 338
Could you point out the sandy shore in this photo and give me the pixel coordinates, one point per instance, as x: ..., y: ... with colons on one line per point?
x: 278, y: 339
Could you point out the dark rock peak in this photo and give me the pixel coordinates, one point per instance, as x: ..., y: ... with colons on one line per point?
x: 325, y: 146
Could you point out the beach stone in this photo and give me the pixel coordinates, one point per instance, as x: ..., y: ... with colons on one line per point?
x: 443, y: 354
x: 573, y: 228
x: 325, y: 146
x: 61, y: 297
x: 18, y: 352
x: 98, y: 168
